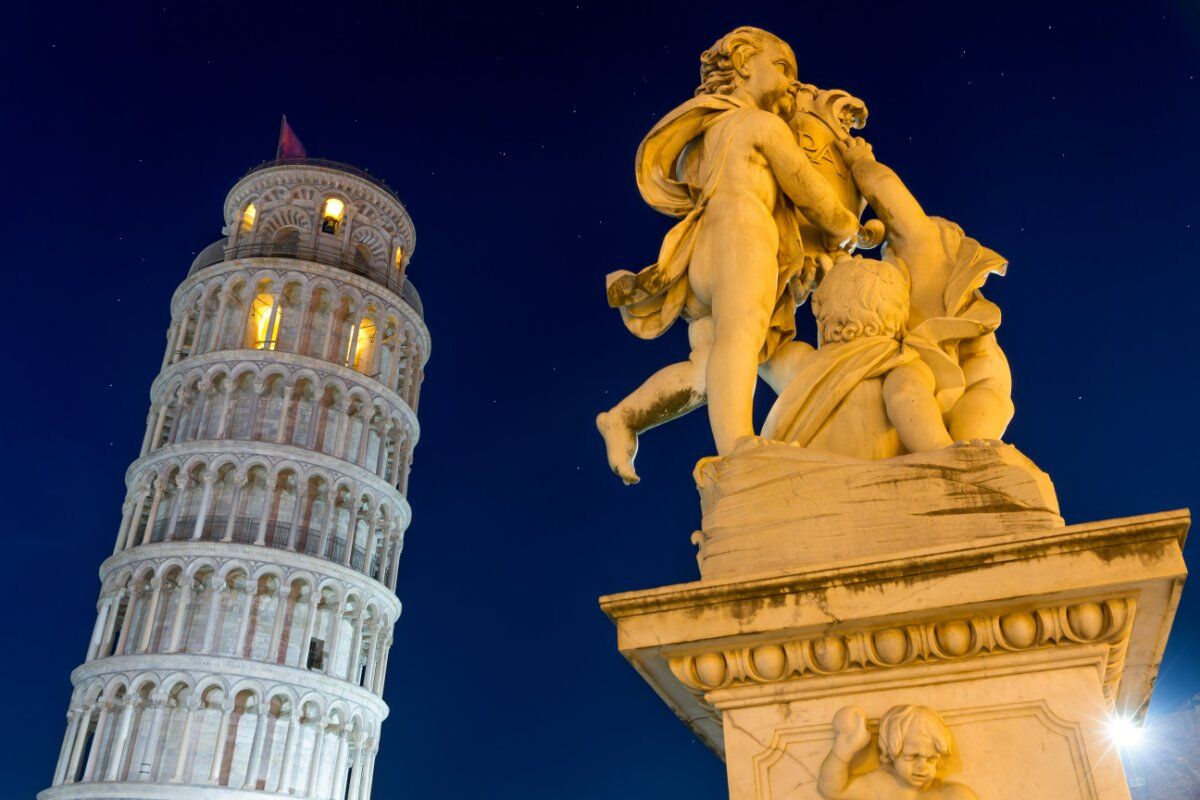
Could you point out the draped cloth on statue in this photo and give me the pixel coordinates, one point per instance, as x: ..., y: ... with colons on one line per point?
x: 671, y: 180
x: 828, y: 375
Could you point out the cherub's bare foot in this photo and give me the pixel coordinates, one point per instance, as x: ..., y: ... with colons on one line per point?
x: 621, y: 443
x: 978, y: 443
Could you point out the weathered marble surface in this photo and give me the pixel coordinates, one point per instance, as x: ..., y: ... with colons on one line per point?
x: 771, y: 507
x: 1025, y: 643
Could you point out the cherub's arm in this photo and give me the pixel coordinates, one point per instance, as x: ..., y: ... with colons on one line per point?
x: 833, y: 780
x: 893, y: 202
x: 800, y: 180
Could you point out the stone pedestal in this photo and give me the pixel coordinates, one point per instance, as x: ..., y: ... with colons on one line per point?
x: 1028, y: 640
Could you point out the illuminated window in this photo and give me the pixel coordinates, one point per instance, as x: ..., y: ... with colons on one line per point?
x: 331, y: 215
x: 362, y: 341
x: 265, y: 318
x: 399, y: 260
x: 248, y: 217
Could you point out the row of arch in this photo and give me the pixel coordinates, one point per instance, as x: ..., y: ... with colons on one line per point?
x: 213, y: 731
x: 252, y: 500
x: 297, y: 312
x: 284, y: 404
x: 234, y: 610
x: 306, y: 214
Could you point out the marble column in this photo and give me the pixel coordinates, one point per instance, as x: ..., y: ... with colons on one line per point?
x: 89, y: 769
x: 81, y: 733
x: 214, y: 772
x: 256, y: 748
x: 205, y: 499
x: 68, y: 745
x: 314, y: 766
x: 185, y: 741
x: 116, y: 756
x: 284, y: 782
x: 153, y: 740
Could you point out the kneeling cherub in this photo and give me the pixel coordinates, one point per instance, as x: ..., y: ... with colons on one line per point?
x: 913, y: 745
x: 869, y: 358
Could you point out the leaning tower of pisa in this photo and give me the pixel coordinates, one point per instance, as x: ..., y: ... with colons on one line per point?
x: 245, y: 616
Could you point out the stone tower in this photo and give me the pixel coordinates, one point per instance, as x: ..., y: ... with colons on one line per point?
x: 246, y: 614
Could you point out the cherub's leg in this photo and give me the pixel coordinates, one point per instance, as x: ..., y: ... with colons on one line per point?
x: 667, y: 394
x: 908, y: 395
x: 781, y: 367
x: 985, y: 409
x: 740, y: 328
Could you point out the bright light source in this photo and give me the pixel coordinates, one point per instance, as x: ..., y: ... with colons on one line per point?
x: 334, y: 208
x: 1125, y: 733
x: 331, y: 214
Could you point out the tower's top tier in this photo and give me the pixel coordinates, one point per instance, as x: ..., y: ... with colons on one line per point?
x: 317, y: 210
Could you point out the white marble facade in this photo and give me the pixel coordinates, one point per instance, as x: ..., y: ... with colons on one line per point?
x: 246, y: 614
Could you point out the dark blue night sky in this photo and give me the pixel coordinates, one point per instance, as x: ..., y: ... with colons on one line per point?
x: 1062, y: 137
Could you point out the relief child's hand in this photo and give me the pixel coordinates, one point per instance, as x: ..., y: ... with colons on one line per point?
x: 850, y: 725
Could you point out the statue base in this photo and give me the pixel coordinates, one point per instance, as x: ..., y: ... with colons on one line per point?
x: 772, y: 506
x: 1029, y: 642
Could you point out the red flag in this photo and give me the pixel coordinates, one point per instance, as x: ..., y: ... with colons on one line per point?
x: 289, y: 144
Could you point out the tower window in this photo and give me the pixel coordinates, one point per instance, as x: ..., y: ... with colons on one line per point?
x: 316, y: 654
x: 265, y: 316
x: 331, y: 215
x: 399, y: 258
x: 361, y: 343
x: 248, y: 216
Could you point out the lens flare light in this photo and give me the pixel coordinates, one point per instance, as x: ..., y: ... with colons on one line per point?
x: 1125, y: 733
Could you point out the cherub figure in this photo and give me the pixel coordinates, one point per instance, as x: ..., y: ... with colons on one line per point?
x: 865, y: 360
x: 727, y: 162
x: 947, y: 269
x: 913, y: 745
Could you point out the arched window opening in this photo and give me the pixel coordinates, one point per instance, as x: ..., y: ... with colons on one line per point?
x: 362, y: 256
x: 362, y: 341
x: 398, y: 258
x: 248, y: 216
x: 265, y: 315
x: 286, y: 242
x: 331, y: 215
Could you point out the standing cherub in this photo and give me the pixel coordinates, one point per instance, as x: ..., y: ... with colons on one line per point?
x: 913, y: 745
x: 727, y: 162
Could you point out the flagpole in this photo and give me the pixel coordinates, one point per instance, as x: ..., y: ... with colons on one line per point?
x: 279, y: 140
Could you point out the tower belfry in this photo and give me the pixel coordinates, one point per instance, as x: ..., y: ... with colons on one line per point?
x: 246, y: 613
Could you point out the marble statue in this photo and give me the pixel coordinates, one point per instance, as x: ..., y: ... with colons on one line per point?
x: 728, y: 163
x: 877, y: 539
x: 940, y: 375
x: 913, y: 745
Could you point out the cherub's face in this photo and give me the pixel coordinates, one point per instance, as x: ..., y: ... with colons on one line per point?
x: 918, y: 762
x: 772, y: 79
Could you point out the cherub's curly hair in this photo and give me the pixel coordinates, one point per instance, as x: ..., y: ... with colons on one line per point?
x: 717, y: 72
x: 861, y: 297
x: 898, y: 721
